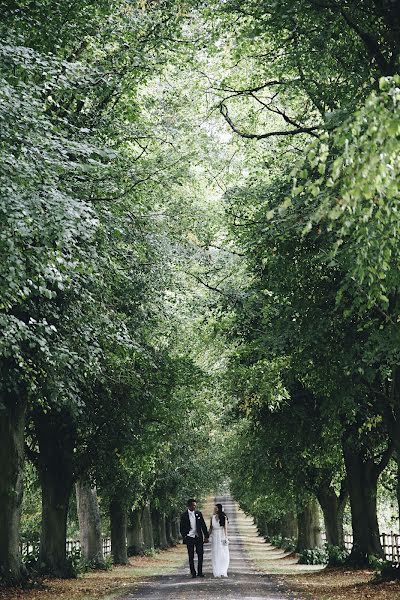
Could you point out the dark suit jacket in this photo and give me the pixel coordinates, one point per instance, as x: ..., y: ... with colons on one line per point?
x: 200, y: 525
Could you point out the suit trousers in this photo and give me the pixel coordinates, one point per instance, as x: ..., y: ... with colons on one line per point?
x: 191, y: 544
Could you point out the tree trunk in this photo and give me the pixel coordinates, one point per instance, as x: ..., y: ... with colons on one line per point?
x: 398, y: 486
x: 135, y: 533
x: 288, y: 525
x: 362, y: 477
x: 271, y: 529
x: 56, y: 438
x: 265, y: 530
x: 174, y: 531
x: 147, y: 528
x: 163, y: 531
x: 12, y: 425
x: 156, y: 525
x: 333, y: 509
x: 261, y: 526
x: 169, y: 533
x: 55, y: 499
x: 118, y: 522
x: 309, y: 527
x: 89, y: 524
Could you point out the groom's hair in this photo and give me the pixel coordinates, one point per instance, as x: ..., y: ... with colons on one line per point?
x: 190, y: 501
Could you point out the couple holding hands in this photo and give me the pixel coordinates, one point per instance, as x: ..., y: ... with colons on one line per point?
x: 195, y: 534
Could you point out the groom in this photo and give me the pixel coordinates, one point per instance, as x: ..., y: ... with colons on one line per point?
x: 193, y: 527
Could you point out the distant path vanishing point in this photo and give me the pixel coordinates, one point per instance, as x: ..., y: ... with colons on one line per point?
x: 244, y: 581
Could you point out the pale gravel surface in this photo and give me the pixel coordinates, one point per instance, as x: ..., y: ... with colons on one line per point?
x: 245, y: 582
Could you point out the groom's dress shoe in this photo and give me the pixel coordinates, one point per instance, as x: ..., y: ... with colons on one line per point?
x: 194, y: 575
x: 200, y: 575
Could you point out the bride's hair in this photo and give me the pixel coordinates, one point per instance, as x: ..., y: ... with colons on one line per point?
x: 221, y: 515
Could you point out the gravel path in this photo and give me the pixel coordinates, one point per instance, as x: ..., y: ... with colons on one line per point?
x: 244, y: 581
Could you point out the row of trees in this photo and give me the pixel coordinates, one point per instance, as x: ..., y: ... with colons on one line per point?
x: 122, y: 125
x: 96, y: 390
x: 314, y: 368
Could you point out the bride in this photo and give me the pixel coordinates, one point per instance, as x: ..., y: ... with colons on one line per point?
x: 219, y: 542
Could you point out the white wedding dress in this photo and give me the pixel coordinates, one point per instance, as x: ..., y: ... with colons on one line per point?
x: 219, y: 549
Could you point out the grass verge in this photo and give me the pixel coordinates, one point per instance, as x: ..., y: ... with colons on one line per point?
x: 103, y: 585
x: 312, y: 582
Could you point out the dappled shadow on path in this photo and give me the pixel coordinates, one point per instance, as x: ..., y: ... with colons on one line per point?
x: 237, y: 586
x: 267, y: 558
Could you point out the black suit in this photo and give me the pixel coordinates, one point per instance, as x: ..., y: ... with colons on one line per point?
x: 196, y: 542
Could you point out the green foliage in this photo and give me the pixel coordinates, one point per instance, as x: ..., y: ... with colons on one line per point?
x: 194, y: 305
x: 287, y: 544
x: 31, y: 510
x: 275, y: 540
x: 337, y: 556
x: 314, y: 556
x: 76, y: 563
x: 314, y: 320
x: 357, y: 195
x: 151, y: 552
x: 385, y: 570
x: 108, y: 562
x: 30, y: 563
x: 91, y: 287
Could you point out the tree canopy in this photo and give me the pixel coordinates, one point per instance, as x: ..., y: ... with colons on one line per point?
x: 199, y: 275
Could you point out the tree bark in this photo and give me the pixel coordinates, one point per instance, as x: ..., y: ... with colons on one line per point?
x: 56, y: 437
x: 118, y: 521
x: 309, y: 527
x: 135, y: 533
x: 169, y: 531
x: 333, y: 509
x: 147, y: 528
x: 89, y: 524
x: 156, y: 525
x: 398, y: 486
x: 12, y: 425
x: 174, y: 531
x: 362, y: 477
x: 288, y: 525
x: 163, y: 531
x: 271, y: 529
x: 55, y: 500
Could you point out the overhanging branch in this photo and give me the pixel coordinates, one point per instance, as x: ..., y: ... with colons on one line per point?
x: 258, y: 88
x: 262, y: 136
